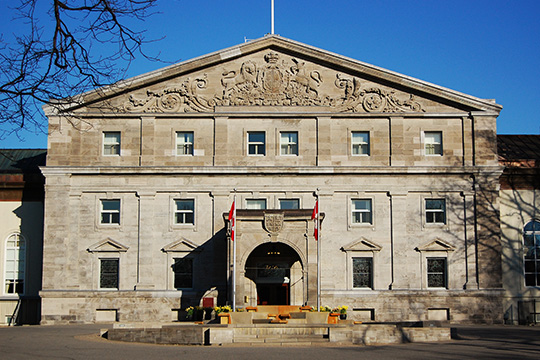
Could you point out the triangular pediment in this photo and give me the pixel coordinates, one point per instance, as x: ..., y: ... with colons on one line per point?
x: 362, y: 245
x: 274, y: 73
x: 108, y: 245
x: 181, y: 245
x: 436, y: 245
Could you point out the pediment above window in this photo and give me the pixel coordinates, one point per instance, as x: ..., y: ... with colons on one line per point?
x: 108, y: 245
x: 436, y: 245
x: 362, y: 245
x: 182, y: 245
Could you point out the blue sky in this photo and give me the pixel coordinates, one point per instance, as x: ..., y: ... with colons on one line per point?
x: 488, y: 49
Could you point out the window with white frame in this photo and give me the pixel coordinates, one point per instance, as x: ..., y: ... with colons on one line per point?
x: 256, y: 143
x: 111, y: 143
x: 435, y: 211
x: 184, y: 211
x: 289, y: 143
x: 531, y: 252
x: 436, y: 273
x: 184, y: 143
x: 15, y: 264
x: 361, y: 211
x: 108, y: 274
x: 110, y: 212
x: 360, y: 143
x: 288, y: 204
x: 433, y: 143
x: 256, y: 204
x: 183, y: 273
x: 362, y: 272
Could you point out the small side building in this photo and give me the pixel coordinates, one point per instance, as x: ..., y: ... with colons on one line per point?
x: 21, y: 235
x: 520, y: 226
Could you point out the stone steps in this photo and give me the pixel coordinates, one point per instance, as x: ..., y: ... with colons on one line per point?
x: 280, y: 339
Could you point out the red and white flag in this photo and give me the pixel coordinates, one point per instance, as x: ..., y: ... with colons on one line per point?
x: 232, y: 219
x: 315, y: 216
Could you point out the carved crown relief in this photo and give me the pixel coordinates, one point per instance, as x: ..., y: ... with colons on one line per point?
x: 271, y: 82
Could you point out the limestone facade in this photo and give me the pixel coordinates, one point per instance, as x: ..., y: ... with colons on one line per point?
x: 140, y: 178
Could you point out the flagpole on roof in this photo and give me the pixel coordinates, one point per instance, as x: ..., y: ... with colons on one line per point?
x: 272, y: 17
x: 318, y: 204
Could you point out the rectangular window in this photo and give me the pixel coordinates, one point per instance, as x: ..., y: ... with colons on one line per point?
x: 361, y: 211
x: 289, y: 143
x: 111, y: 143
x: 184, y: 143
x: 108, y: 275
x: 363, y: 272
x: 435, y: 211
x: 184, y: 211
x: 360, y: 142
x: 288, y: 204
x: 256, y: 204
x: 256, y: 143
x: 110, y: 212
x: 436, y: 272
x: 433, y: 143
x: 183, y: 273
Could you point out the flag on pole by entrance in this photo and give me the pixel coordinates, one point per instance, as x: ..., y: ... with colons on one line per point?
x: 232, y: 219
x: 315, y: 216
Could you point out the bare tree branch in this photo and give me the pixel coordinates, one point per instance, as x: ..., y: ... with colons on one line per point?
x: 69, y: 47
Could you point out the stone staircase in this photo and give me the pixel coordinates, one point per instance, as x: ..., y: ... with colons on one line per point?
x: 281, y: 335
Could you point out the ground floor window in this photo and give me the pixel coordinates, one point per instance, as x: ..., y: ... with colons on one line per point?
x: 531, y: 242
x: 15, y: 264
x: 436, y: 272
x: 363, y: 272
x: 108, y: 275
x: 183, y: 273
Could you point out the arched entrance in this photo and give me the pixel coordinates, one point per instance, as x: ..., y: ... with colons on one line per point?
x: 276, y: 270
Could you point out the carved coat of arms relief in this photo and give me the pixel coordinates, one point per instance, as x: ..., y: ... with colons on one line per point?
x: 273, y: 81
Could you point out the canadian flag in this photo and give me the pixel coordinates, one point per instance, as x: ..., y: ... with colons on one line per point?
x: 315, y: 216
x: 232, y: 219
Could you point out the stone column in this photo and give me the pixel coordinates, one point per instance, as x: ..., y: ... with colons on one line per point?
x: 399, y: 241
x: 146, y: 252
x: 470, y: 243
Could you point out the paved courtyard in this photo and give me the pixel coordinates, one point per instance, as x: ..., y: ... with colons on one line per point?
x: 83, y: 342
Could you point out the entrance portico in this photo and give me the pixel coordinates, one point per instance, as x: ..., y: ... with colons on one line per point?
x: 276, y: 258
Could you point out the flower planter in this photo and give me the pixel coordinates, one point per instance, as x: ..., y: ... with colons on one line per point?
x: 224, y: 318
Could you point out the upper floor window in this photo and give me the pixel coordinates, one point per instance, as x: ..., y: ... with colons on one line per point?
x: 531, y: 242
x: 436, y: 273
x: 433, y: 143
x: 184, y: 143
x: 15, y: 264
x: 360, y: 142
x: 256, y: 143
x: 184, y: 212
x: 110, y: 212
x: 363, y: 272
x: 361, y: 211
x: 289, y: 143
x: 256, y: 204
x: 111, y: 143
x: 436, y: 211
x: 108, y: 274
x: 288, y: 204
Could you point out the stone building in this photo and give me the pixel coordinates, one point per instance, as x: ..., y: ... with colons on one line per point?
x: 520, y: 226
x: 21, y: 235
x: 140, y: 178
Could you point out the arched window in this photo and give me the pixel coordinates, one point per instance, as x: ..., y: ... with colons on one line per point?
x: 531, y: 241
x: 15, y: 264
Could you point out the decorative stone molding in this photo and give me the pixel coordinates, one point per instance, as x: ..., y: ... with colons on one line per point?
x: 107, y: 245
x: 362, y: 245
x: 272, y: 83
x: 181, y: 245
x: 436, y: 245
